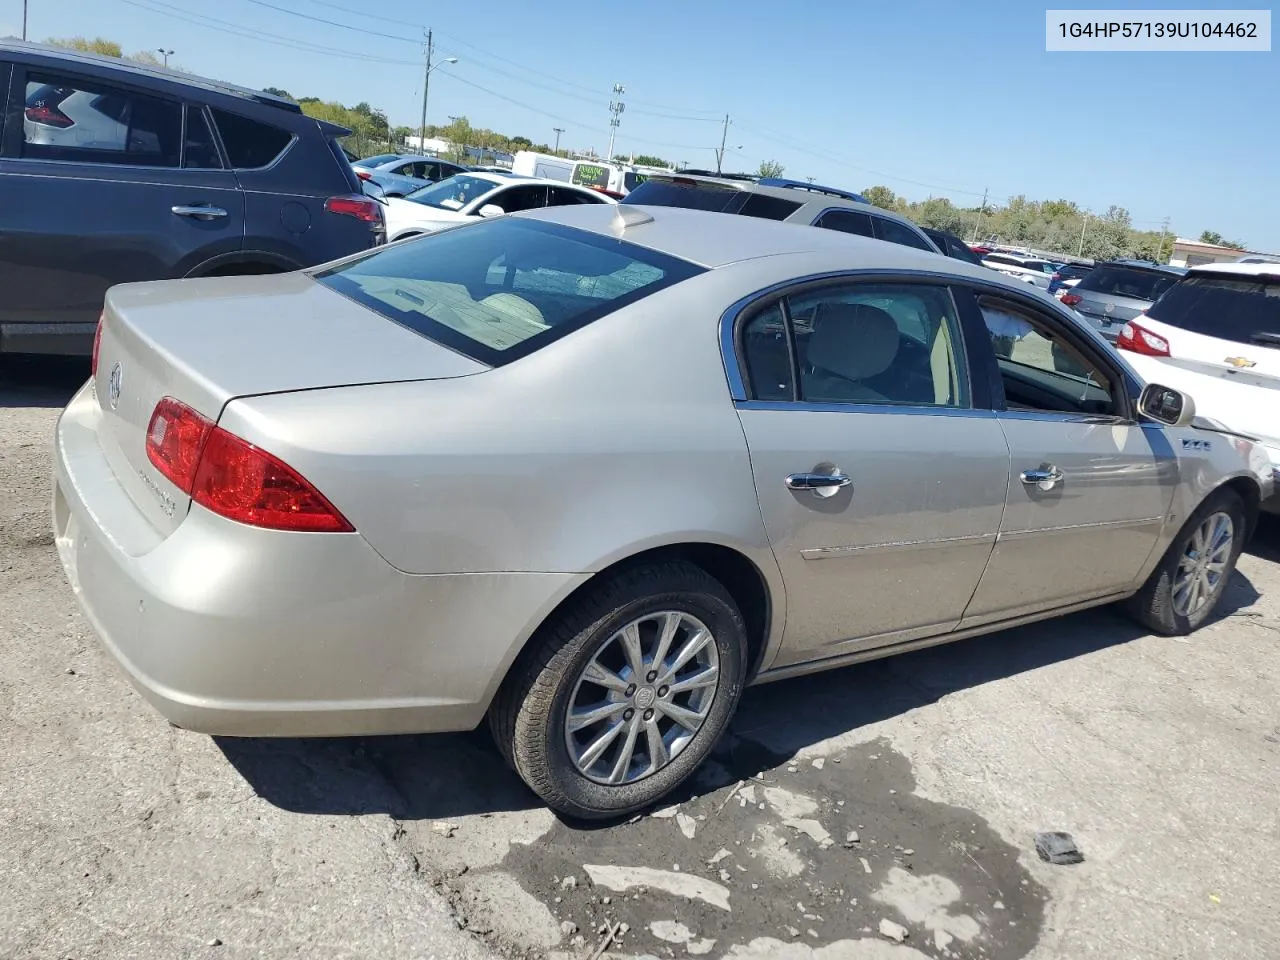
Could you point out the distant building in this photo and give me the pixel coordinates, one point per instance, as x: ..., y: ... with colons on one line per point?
x: 429, y: 145
x: 1193, y: 253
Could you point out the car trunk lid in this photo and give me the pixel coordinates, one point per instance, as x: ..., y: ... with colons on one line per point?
x: 206, y: 342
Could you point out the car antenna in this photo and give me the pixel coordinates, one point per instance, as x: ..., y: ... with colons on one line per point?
x: 624, y: 217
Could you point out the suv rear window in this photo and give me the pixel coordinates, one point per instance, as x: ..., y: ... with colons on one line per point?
x: 1241, y: 309
x: 250, y: 144
x: 1127, y: 282
x: 768, y: 208
x: 689, y: 194
x: 500, y: 289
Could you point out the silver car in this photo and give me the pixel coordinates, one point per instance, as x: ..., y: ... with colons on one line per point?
x: 586, y: 472
x: 398, y: 175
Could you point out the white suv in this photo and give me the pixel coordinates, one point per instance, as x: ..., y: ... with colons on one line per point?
x: 1215, y: 335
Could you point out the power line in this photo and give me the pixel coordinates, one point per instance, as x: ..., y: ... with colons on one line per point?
x: 334, y: 23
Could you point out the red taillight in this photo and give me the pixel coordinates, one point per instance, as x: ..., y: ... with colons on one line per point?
x: 241, y: 482
x: 1057, y: 276
x: 1138, y: 339
x: 362, y: 208
x: 1071, y: 299
x: 97, y: 345
x: 49, y: 116
x: 364, y: 174
x: 233, y: 478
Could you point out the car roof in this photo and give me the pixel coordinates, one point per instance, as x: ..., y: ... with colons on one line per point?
x: 1239, y: 269
x: 717, y: 239
x: 146, y: 70
x: 1144, y: 265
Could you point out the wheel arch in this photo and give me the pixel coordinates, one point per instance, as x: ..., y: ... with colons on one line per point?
x: 1250, y: 493
x: 759, y: 599
x: 243, y: 262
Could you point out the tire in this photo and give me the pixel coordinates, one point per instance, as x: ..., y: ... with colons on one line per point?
x: 1156, y: 606
x: 528, y: 716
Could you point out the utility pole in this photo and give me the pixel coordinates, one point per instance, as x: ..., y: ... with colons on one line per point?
x: 1164, y: 228
x: 164, y: 53
x: 615, y: 115
x: 977, y: 221
x: 24, y: 19
x: 558, y: 130
x: 1083, y: 227
x: 724, y: 137
x: 426, y: 81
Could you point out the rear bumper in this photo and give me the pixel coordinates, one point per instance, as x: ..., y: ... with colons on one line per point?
x: 228, y: 629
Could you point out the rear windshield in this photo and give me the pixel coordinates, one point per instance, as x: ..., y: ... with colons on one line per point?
x: 1127, y: 282
x: 499, y: 289
x: 1242, y: 309
x: 379, y: 160
x: 689, y: 194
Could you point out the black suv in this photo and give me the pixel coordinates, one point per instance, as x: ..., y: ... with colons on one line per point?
x: 112, y: 172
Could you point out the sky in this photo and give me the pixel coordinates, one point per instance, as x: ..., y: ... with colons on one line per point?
x: 928, y: 98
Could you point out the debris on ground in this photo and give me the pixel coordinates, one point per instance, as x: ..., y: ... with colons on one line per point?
x: 444, y: 828
x: 666, y: 812
x: 621, y: 878
x: 851, y: 837
x: 688, y: 826
x: 569, y: 882
x: 893, y: 931
x: 811, y: 829
x: 866, y: 866
x: 568, y: 928
x: 718, y: 856
x: 215, y: 942
x: 819, y: 763
x: 1055, y: 846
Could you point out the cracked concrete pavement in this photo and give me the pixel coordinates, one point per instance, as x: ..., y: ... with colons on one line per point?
x: 899, y: 798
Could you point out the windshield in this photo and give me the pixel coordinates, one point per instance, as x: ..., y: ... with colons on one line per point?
x: 454, y: 193
x: 499, y: 289
x: 1127, y: 282
x: 1240, y: 309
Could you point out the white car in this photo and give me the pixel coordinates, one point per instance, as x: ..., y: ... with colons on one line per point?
x: 1027, y: 269
x: 1215, y: 335
x: 62, y: 116
x: 470, y: 196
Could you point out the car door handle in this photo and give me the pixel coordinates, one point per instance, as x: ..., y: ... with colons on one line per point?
x: 199, y: 211
x: 822, y: 484
x: 1045, y: 477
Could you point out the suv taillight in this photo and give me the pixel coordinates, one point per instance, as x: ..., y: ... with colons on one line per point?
x: 231, y: 477
x: 97, y: 344
x: 48, y: 116
x: 1138, y: 339
x: 362, y: 208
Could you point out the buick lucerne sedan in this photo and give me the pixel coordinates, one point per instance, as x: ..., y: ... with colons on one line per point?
x: 585, y: 473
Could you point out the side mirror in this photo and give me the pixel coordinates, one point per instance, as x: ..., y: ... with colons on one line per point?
x: 1165, y: 405
x: 491, y: 210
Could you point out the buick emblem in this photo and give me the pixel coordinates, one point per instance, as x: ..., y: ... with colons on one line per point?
x: 113, y: 385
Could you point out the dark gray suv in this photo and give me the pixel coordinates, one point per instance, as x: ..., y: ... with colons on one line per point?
x: 112, y: 172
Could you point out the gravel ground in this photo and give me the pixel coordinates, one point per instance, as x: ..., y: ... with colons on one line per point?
x: 895, y: 799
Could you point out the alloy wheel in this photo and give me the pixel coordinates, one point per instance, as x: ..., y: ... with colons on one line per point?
x: 1203, y: 563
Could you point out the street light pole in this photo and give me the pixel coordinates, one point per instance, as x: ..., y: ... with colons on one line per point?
x: 1083, y: 227
x: 24, y: 19
x: 164, y: 53
x: 426, y: 83
x: 558, y: 130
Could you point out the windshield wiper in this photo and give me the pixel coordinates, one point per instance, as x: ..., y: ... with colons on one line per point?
x: 1266, y: 339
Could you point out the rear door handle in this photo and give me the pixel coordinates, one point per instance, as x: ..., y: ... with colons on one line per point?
x: 199, y: 212
x: 822, y: 484
x: 1044, y: 477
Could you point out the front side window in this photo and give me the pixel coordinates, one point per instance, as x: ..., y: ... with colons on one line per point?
x: 453, y: 193
x: 1041, y: 369
x: 891, y: 231
x: 66, y: 119
x: 846, y: 221
x: 1240, y: 309
x: 499, y: 289
x: 516, y: 199
x: 250, y: 144
x: 862, y: 343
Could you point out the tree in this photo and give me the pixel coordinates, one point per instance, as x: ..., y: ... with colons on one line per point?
x: 648, y: 160
x: 1215, y: 238
x: 881, y: 197
x: 771, y: 168
x: 277, y: 92
x: 107, y: 48
x: 147, y: 57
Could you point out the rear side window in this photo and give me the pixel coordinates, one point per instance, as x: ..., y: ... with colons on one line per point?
x: 500, y: 289
x: 250, y: 144
x: 1241, y: 309
x: 1127, y: 282
x: 65, y: 119
x: 689, y: 194
x: 768, y: 208
x: 846, y: 221
x: 892, y: 231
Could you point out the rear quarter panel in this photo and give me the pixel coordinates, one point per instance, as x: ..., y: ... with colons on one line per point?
x: 619, y: 437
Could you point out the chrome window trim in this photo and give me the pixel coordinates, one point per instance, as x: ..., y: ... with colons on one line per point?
x: 729, y: 326
x: 914, y: 409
